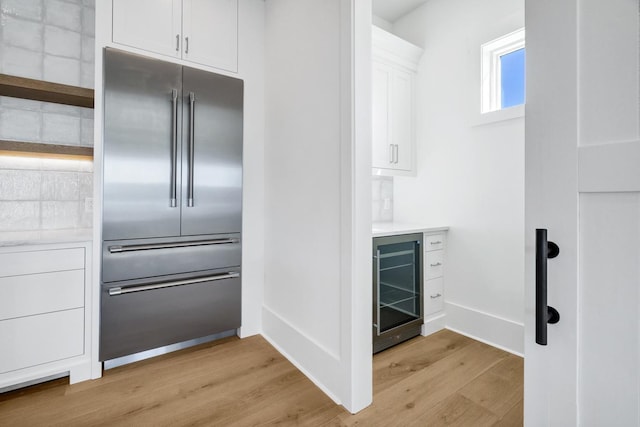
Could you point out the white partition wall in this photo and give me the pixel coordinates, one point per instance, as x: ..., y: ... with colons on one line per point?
x: 317, y: 292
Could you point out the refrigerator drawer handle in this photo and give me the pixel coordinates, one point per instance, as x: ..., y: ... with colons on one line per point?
x: 174, y: 148
x: 192, y: 112
x: 122, y: 291
x: 132, y: 248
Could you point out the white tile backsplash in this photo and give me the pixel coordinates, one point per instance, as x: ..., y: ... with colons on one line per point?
x: 20, y: 185
x: 60, y: 129
x: 86, y: 132
x: 86, y: 74
x: 21, y: 62
x: 88, y: 20
x: 20, y: 125
x: 18, y: 215
x: 41, y: 199
x: 62, y: 42
x: 22, y: 33
x: 59, y: 215
x: 63, y: 14
x: 51, y: 40
x: 27, y: 9
x: 382, y: 198
x: 60, y: 186
x: 62, y: 70
x: 88, y: 49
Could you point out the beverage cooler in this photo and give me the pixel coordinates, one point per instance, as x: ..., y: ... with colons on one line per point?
x: 398, y: 311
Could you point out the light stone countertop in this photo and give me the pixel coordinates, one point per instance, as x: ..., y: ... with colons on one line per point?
x: 41, y: 237
x: 381, y: 229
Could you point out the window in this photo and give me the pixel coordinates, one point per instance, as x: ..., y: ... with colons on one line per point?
x: 503, y: 76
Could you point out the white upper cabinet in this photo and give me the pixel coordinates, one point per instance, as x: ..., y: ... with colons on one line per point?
x: 200, y: 31
x: 395, y: 64
x: 210, y: 29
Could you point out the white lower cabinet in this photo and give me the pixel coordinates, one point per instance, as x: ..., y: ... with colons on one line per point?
x: 434, y: 265
x: 45, y: 313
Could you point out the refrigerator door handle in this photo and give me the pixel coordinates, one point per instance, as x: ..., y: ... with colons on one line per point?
x: 174, y: 148
x: 192, y: 110
x: 120, y: 291
x: 132, y: 248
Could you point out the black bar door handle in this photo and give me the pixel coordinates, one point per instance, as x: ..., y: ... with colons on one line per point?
x: 544, y: 313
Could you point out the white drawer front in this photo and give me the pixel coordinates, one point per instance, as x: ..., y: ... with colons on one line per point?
x: 34, y: 340
x: 41, y: 293
x: 16, y: 263
x: 434, y: 296
x: 433, y: 265
x: 433, y: 242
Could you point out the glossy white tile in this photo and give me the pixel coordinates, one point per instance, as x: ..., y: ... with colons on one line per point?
x: 64, y: 14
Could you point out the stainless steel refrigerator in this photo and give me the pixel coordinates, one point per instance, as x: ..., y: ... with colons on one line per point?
x: 172, y: 204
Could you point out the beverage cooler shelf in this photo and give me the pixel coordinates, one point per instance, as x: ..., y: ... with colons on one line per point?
x: 397, y: 253
x: 394, y: 267
x: 391, y: 295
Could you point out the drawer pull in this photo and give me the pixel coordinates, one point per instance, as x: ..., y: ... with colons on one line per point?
x: 437, y: 264
x: 437, y: 242
x: 435, y: 296
x: 120, y: 291
x: 132, y: 248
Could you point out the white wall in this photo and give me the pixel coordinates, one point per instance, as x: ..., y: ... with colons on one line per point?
x: 317, y: 302
x: 470, y: 175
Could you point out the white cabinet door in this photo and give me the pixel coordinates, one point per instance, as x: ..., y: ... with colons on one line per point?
x: 402, y: 119
x: 153, y: 25
x: 392, y: 132
x: 382, y: 149
x: 210, y: 30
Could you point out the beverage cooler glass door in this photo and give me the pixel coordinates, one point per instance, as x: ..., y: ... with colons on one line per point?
x: 397, y: 281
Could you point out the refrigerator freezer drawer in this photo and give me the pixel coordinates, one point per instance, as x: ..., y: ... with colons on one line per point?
x: 141, y: 317
x: 136, y: 259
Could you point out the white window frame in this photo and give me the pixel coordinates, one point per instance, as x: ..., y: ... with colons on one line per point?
x: 491, y: 70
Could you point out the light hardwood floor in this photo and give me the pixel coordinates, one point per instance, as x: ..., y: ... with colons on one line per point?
x: 443, y: 379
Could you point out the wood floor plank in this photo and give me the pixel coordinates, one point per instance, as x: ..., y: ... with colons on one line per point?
x: 419, y: 394
x: 456, y: 410
x: 396, y: 363
x: 443, y: 379
x: 493, y: 391
x: 513, y: 418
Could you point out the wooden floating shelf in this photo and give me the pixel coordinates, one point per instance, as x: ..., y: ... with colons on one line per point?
x: 36, y: 149
x: 39, y: 90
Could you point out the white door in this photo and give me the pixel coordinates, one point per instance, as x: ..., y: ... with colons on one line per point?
x: 583, y: 185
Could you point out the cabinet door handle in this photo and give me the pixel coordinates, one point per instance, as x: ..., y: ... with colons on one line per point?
x: 177, y: 42
x: 437, y: 264
x: 397, y: 149
x: 186, y: 44
x: 438, y: 242
x: 391, y: 153
x: 435, y: 296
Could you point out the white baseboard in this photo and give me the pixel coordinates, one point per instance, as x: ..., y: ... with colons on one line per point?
x: 315, y: 362
x: 502, y: 333
x: 434, y: 324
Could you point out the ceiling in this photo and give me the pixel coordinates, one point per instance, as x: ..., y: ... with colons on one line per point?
x: 391, y: 10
